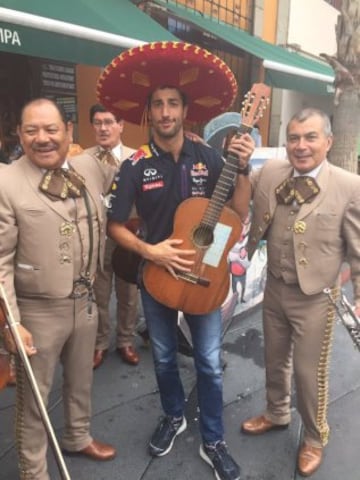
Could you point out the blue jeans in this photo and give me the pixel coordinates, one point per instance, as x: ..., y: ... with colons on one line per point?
x: 206, y: 337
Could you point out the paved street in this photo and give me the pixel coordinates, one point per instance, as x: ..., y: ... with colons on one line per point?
x: 126, y: 409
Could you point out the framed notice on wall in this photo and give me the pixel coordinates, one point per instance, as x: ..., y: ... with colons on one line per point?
x: 57, y: 80
x: 58, y: 77
x: 69, y: 106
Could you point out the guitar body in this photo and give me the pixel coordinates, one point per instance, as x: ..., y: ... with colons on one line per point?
x: 208, y: 285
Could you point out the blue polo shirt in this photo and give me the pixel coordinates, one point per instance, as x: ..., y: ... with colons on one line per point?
x: 156, y: 184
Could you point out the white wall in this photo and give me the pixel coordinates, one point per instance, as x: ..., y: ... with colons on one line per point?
x: 312, y: 26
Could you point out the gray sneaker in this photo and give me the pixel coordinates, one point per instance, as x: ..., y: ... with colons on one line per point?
x: 217, y: 456
x: 164, y: 436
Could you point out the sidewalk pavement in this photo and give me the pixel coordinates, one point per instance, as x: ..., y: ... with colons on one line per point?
x: 126, y: 409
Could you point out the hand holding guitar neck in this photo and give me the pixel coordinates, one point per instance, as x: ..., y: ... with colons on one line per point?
x: 239, y: 147
x: 238, y: 143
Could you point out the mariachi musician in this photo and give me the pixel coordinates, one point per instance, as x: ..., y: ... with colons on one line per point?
x: 52, y: 236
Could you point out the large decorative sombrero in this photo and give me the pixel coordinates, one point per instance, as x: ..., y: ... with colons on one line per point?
x: 125, y: 84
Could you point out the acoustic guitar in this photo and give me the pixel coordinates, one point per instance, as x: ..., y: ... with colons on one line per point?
x: 211, y: 229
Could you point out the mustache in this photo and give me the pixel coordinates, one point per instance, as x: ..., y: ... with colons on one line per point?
x: 44, y: 146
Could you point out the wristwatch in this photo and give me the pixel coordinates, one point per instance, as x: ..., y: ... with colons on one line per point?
x: 244, y: 170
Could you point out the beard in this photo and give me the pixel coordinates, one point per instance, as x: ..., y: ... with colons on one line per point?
x: 168, y: 132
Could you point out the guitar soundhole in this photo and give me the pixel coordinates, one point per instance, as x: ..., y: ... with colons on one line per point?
x: 203, y: 236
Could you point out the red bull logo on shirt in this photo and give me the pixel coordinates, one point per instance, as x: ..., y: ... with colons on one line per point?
x: 199, y: 170
x: 143, y: 152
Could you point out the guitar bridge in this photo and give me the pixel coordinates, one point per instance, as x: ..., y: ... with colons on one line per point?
x: 192, y: 278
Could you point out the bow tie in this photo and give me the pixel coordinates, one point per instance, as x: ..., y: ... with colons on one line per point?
x: 62, y: 183
x: 300, y: 189
x: 107, y: 157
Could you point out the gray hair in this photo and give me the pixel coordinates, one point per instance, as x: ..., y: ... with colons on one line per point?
x: 306, y: 113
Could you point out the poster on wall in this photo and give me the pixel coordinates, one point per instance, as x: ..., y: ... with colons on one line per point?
x: 57, y: 80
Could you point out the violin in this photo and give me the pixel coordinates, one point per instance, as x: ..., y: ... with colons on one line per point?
x: 4, y: 358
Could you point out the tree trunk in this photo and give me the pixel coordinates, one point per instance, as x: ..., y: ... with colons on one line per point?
x: 346, y: 129
x: 346, y: 119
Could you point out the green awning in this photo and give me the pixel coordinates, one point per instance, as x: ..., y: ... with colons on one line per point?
x: 78, y: 31
x: 283, y: 69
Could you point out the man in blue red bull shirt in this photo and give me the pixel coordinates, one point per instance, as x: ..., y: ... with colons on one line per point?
x: 157, y: 178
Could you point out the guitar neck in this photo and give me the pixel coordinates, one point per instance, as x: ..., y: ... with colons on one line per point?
x: 224, y: 183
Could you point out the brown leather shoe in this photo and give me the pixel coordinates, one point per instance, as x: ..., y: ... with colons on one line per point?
x: 95, y: 451
x: 99, y: 357
x: 259, y: 425
x: 129, y: 355
x: 309, y: 459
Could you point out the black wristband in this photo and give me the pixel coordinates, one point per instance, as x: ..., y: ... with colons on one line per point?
x: 244, y: 170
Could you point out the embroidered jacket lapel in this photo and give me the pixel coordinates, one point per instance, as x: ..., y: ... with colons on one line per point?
x: 322, y: 180
x: 34, y: 175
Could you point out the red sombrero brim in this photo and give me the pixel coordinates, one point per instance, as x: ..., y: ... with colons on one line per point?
x: 125, y: 84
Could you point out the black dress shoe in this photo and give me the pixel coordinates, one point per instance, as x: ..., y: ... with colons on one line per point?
x: 99, y: 357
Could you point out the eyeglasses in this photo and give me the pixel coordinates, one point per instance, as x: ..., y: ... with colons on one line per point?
x: 108, y: 122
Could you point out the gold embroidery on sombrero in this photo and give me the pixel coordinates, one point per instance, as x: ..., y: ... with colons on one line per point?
x: 207, y: 101
x: 126, y: 105
x: 188, y: 76
x: 142, y: 79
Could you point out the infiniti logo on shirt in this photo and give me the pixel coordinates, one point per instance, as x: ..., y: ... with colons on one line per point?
x: 150, y: 172
x: 152, y: 180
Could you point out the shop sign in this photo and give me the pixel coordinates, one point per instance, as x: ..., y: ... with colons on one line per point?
x: 9, y: 37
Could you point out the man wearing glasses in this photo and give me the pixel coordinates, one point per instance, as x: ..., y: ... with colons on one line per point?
x: 110, y: 149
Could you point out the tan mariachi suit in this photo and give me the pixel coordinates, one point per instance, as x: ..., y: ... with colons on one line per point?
x: 44, y: 247
x: 306, y: 247
x: 126, y: 293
